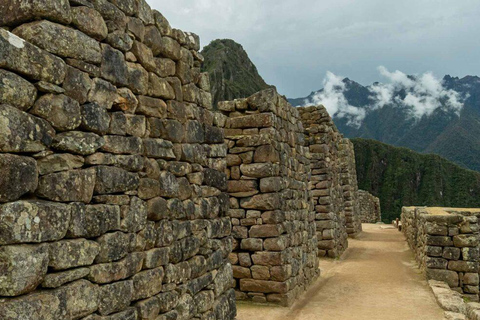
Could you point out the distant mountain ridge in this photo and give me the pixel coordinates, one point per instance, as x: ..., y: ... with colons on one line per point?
x: 402, y: 177
x: 232, y: 74
x: 455, y: 137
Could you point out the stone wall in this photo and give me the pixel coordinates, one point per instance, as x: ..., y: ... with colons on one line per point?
x: 369, y: 207
x: 112, y: 164
x: 275, y: 249
x: 445, y: 242
x: 323, y: 140
x: 350, y: 188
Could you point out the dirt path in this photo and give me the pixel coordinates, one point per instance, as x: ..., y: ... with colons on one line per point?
x: 376, y: 279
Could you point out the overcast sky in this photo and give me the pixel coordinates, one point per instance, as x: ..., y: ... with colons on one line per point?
x: 294, y: 43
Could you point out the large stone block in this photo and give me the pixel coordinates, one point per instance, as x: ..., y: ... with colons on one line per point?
x: 33, y: 221
x: 114, y: 180
x: 93, y: 220
x: 26, y: 59
x: 61, y: 111
x: 115, y: 271
x: 253, y: 285
x: 115, y: 297
x: 15, y: 12
x: 147, y: 283
x: 57, y: 279
x: 266, y: 201
x: 78, y: 142
x: 258, y: 170
x: 77, y: 299
x: 43, y: 305
x: 18, y: 176
x: 16, y: 91
x: 262, y: 120
x: 68, y: 254
x: 66, y: 186
x: 23, y: 268
x: 22, y: 132
x: 90, y: 22
x: 113, y: 246
x: 59, y: 162
x: 60, y: 40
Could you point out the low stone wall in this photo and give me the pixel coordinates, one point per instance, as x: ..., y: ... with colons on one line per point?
x: 369, y: 207
x: 446, y: 245
x: 275, y: 249
x: 324, y: 141
x: 112, y: 164
x: 350, y: 188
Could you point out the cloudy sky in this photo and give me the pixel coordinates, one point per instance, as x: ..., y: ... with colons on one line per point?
x: 294, y: 43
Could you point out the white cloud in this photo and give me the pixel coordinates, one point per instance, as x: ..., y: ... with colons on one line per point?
x: 423, y: 93
x: 333, y: 98
x: 421, y: 96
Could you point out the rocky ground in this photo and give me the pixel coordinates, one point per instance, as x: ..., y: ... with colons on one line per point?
x: 376, y: 278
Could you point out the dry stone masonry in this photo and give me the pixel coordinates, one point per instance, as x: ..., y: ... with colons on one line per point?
x: 112, y: 184
x: 350, y: 188
x: 369, y: 207
x: 324, y: 140
x: 446, y: 245
x: 275, y: 248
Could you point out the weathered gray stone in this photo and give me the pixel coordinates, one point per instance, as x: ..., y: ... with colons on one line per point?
x: 16, y: 91
x: 57, y: 279
x: 127, y: 162
x: 93, y: 220
x: 151, y: 107
x: 33, y: 221
x: 95, y: 118
x: 23, y: 268
x: 266, y: 201
x: 60, y: 110
x: 144, y: 55
x: 77, y: 299
x: 134, y: 216
x: 114, y: 67
x: 59, y: 162
x: 15, y: 12
x: 90, y: 22
x: 450, y: 277
x: 67, y: 254
x: 113, y: 246
x: 26, y: 59
x: 21, y: 132
x: 114, y: 180
x: 78, y: 142
x: 43, y: 305
x: 159, y: 87
x: 103, y: 93
x: 170, y: 48
x: 125, y: 145
x: 158, y: 148
x: 119, y: 40
x: 147, y: 283
x: 47, y: 87
x: 60, y: 40
x: 115, y: 271
x: 138, y: 80
x: 115, y: 297
x: 77, y: 84
x: 18, y: 176
x: 66, y: 186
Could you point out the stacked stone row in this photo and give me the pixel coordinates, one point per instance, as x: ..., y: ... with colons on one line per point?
x: 323, y: 139
x: 112, y: 184
x: 447, y: 248
x: 350, y: 188
x: 275, y: 248
x: 369, y: 207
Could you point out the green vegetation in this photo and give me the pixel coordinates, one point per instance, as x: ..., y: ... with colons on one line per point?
x: 402, y: 177
x: 232, y: 74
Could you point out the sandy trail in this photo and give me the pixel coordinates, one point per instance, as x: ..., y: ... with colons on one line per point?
x: 376, y: 279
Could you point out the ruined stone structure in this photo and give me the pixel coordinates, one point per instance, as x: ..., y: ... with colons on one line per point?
x: 446, y: 245
x: 350, y: 188
x: 324, y: 141
x: 112, y: 183
x: 275, y: 249
x: 369, y: 207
